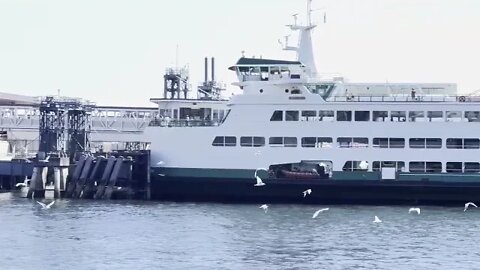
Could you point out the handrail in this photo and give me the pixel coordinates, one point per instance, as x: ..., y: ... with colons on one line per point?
x: 418, y: 98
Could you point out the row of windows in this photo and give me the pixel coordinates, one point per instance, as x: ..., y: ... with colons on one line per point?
x: 349, y: 142
x: 414, y: 166
x: 377, y: 116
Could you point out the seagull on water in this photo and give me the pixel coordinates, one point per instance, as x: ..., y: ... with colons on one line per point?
x: 319, y: 211
x: 377, y: 220
x: 468, y: 205
x: 264, y: 207
x: 307, y: 192
x: 46, y: 206
x: 259, y: 180
x: 414, y: 210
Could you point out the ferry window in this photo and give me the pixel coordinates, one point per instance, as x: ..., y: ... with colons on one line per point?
x: 380, y: 142
x: 360, y: 142
x: 255, y: 71
x: 258, y: 141
x: 264, y: 73
x: 230, y: 141
x: 290, y: 142
x: 397, y: 143
x: 219, y: 141
x: 459, y: 143
x: 435, y: 116
x: 472, y: 116
x: 416, y: 116
x: 398, y: 165
x: 433, y: 167
x: 472, y: 167
x: 344, y: 116
x: 433, y: 143
x: 274, y: 70
x: 362, y: 116
x: 398, y: 116
x: 326, y: 116
x: 417, y: 143
x: 277, y: 116
x: 380, y: 116
x: 224, y: 141
x: 454, y: 167
x: 275, y: 141
x: 325, y: 142
x: 308, y: 115
x: 344, y: 142
x: 471, y: 143
x: 355, y: 166
x: 246, y: 141
x: 285, y: 72
x: 309, y: 142
x: 454, y: 116
x: 417, y: 166
x: 291, y: 115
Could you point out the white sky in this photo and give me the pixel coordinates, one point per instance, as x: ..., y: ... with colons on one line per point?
x: 114, y: 52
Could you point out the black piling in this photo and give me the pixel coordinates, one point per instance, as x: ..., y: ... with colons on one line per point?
x: 90, y: 188
x: 87, y: 168
x: 75, y: 176
x: 105, y: 177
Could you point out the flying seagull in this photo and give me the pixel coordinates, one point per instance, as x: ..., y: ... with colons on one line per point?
x: 264, y: 207
x: 307, y: 192
x: 376, y: 220
x: 23, y: 184
x: 319, y: 211
x: 468, y: 205
x: 414, y: 210
x: 46, y: 206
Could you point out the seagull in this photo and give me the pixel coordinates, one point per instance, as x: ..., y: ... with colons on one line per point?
x: 259, y: 180
x: 264, y: 207
x: 414, y: 210
x: 377, y: 220
x: 468, y: 205
x: 307, y: 192
x: 21, y: 185
x: 319, y: 211
x: 46, y: 206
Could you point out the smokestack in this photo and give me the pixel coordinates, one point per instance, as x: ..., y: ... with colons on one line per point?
x: 213, y: 69
x: 206, y: 69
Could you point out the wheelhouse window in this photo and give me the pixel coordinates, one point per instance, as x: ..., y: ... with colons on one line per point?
x: 416, y: 116
x: 472, y: 116
x: 291, y: 115
x: 380, y: 116
x: 362, y: 116
x: 308, y: 115
x: 252, y: 141
x: 326, y: 116
x: 277, y: 116
x: 435, y: 116
x: 454, y: 116
x: 463, y: 143
x: 317, y: 142
x: 225, y: 141
x: 472, y: 167
x: 344, y: 116
x: 454, y: 167
x: 398, y: 116
x: 283, y: 141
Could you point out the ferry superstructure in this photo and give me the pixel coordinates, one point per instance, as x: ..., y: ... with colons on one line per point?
x: 348, y: 142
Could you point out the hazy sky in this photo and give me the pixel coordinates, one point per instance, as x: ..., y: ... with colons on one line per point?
x: 115, y: 52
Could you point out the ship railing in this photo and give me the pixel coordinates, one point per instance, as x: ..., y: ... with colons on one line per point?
x: 403, y: 98
x: 182, y: 123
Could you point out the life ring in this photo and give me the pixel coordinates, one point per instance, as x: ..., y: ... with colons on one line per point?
x: 461, y: 99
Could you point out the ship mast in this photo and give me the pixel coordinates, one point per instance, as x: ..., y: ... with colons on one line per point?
x: 304, y: 49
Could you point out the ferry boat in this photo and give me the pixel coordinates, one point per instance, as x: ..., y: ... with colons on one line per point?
x: 369, y: 143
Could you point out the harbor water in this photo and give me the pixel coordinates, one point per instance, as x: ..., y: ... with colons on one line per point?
x: 87, y: 234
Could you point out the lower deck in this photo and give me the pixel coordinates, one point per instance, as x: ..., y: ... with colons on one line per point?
x: 353, y: 188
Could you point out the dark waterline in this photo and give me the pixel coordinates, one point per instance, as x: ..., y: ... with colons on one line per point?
x: 155, y: 235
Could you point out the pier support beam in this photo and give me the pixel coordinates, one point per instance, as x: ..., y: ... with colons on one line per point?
x: 39, y: 177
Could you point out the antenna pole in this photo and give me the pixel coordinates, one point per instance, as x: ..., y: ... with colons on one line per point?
x: 309, y: 13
